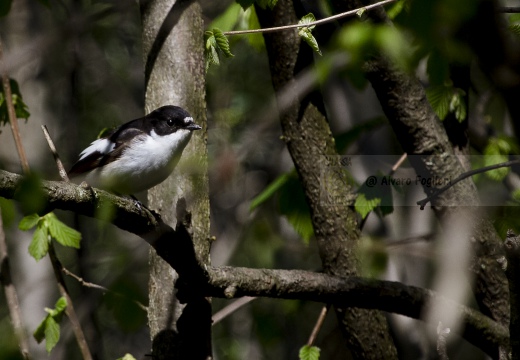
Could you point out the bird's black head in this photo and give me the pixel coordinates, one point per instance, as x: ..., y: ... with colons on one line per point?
x: 168, y: 119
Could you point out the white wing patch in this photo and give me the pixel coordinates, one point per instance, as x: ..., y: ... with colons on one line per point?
x: 103, y: 146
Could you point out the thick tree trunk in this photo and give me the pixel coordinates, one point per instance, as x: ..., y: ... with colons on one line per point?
x: 312, y: 148
x: 174, y: 75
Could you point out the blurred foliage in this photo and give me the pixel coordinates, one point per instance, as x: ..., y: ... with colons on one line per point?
x: 30, y: 195
x: 9, y: 349
x: 20, y: 108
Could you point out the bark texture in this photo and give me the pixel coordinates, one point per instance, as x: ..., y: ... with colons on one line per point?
x: 174, y: 75
x: 420, y: 132
x: 311, y: 145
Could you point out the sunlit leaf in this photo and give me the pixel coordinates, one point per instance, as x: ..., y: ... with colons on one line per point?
x: 306, y: 34
x: 127, y: 357
x: 307, y: 19
x: 39, y: 245
x: 49, y: 328
x: 222, y: 42
x: 458, y: 106
x: 28, y: 222
x: 308, y: 352
x: 364, y: 206
x: 62, y: 233
x: 497, y: 151
x: 52, y: 333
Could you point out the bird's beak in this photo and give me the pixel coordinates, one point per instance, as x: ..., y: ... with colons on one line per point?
x: 193, y: 126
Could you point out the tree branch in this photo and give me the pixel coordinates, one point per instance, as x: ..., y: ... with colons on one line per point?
x: 229, y: 282
x: 232, y: 282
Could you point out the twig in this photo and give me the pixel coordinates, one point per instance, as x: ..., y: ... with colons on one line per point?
x: 69, y: 310
x: 61, y: 168
x: 463, y: 176
x: 58, y: 267
x: 231, y: 308
x: 509, y: 9
x: 319, y: 323
x: 398, y: 164
x: 100, y: 287
x: 442, y: 335
x: 314, y: 23
x: 11, y: 296
x: 12, y: 114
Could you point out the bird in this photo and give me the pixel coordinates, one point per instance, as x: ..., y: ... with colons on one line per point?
x: 137, y: 155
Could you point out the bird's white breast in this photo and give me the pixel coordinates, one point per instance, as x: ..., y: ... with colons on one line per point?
x: 148, y: 161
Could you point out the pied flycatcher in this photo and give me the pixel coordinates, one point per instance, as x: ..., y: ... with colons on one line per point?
x: 137, y: 155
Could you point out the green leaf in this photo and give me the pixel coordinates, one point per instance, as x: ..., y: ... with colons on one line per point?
x: 395, y: 9
x: 364, y: 206
x: 361, y: 12
x: 264, y: 4
x: 495, y: 152
x: 375, y: 193
x: 306, y: 34
x: 245, y: 3
x: 8, y: 212
x: 20, y: 108
x: 270, y: 190
x: 60, y: 306
x: 222, y: 42
x: 49, y: 328
x: 515, y: 29
x: 39, y: 333
x: 40, y: 243
x: 210, y: 52
x: 62, y: 233
x: 293, y: 206
x: 127, y: 357
x: 308, y: 352
x: 29, y: 222
x: 307, y: 19
x: 440, y: 98
x: 458, y: 106
x: 52, y: 333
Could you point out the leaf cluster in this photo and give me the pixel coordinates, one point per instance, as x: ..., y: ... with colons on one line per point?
x: 48, y: 227
x: 49, y: 328
x: 216, y: 42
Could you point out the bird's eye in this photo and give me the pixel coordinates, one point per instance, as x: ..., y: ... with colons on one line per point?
x: 169, y: 122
